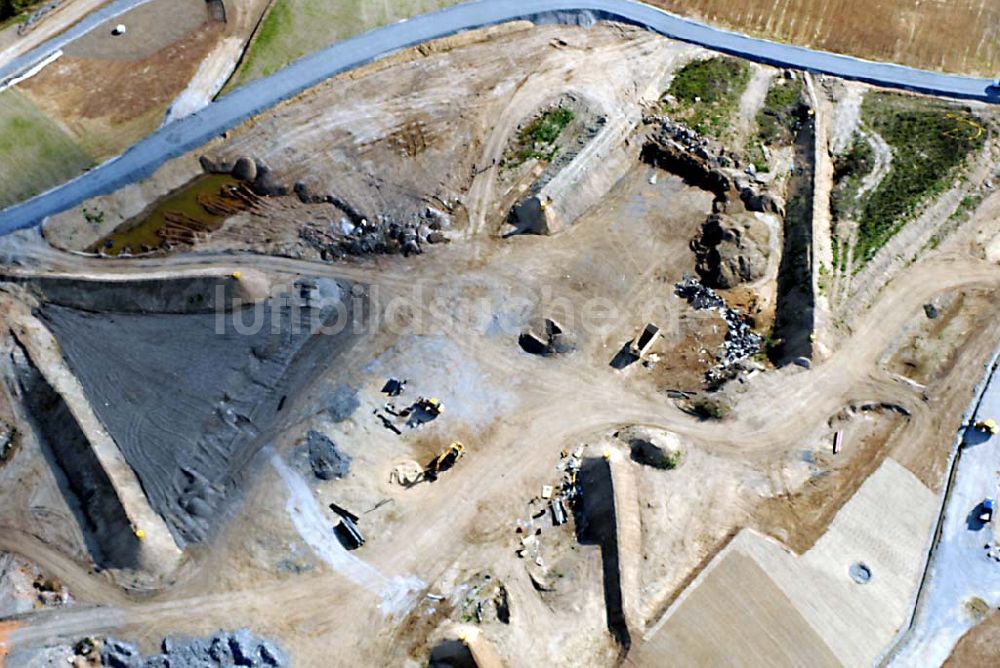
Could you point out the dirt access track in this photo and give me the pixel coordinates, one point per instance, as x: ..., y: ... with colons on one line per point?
x: 273, y: 563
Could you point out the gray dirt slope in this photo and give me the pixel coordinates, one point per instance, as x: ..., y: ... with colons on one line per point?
x: 187, y: 404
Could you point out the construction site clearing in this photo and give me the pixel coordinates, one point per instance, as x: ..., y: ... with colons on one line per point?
x: 466, y: 360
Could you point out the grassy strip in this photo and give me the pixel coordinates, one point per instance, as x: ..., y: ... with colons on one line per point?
x: 783, y: 112
x: 849, y: 172
x: 294, y: 28
x: 538, y: 139
x: 17, y: 9
x: 707, y: 93
x: 778, y: 120
x: 930, y: 141
x: 35, y: 154
x: 266, y: 45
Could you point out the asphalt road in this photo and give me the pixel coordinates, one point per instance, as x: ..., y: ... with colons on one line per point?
x: 107, y: 12
x: 960, y: 567
x: 188, y: 133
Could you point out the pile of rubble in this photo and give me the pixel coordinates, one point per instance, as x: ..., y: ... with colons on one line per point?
x: 741, y: 342
x: 552, y: 502
x: 706, y: 163
x: 382, y: 237
x: 239, y: 648
x: 28, y: 24
x: 731, y: 250
x: 483, y: 599
x: 355, y: 234
x: 325, y: 459
x: 24, y: 587
x: 669, y: 132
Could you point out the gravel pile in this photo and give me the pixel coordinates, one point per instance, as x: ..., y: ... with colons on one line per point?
x: 383, y: 236
x: 326, y: 461
x: 238, y: 648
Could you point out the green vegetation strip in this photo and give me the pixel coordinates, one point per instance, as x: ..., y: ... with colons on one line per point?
x: 849, y: 172
x: 708, y: 92
x: 16, y: 9
x: 929, y: 141
x: 783, y: 112
x: 295, y: 28
x: 35, y: 154
x: 538, y: 139
x: 778, y: 121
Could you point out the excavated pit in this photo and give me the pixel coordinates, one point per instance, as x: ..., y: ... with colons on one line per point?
x: 794, y: 319
x: 188, y: 395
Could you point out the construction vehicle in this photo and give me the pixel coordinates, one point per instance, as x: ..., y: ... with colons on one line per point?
x: 423, y: 410
x: 432, y: 406
x: 987, y: 427
x: 986, y: 514
x: 444, y: 461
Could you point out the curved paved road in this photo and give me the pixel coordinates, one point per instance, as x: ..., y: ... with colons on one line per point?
x: 188, y: 133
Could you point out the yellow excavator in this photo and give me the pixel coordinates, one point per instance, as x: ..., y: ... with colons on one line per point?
x: 444, y: 461
x: 987, y: 426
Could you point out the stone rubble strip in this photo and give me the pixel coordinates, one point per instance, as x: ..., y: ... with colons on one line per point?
x: 225, y: 649
x: 741, y: 342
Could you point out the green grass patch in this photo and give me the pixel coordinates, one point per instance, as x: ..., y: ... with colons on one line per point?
x: 17, y: 9
x: 35, y: 154
x: 849, y: 172
x: 708, y: 408
x: 783, y: 112
x: 539, y: 138
x: 295, y: 28
x: 930, y: 141
x: 755, y: 155
x: 708, y: 92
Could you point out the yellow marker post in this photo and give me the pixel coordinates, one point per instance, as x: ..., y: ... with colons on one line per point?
x: 236, y: 275
x: 140, y: 534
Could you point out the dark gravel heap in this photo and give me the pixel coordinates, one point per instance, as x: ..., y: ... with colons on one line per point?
x: 326, y: 461
x: 237, y: 648
x: 741, y: 342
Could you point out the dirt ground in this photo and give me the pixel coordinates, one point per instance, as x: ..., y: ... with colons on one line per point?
x: 110, y: 91
x: 979, y: 647
x: 424, y: 129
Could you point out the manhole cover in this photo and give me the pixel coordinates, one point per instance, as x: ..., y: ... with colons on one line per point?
x: 860, y: 573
